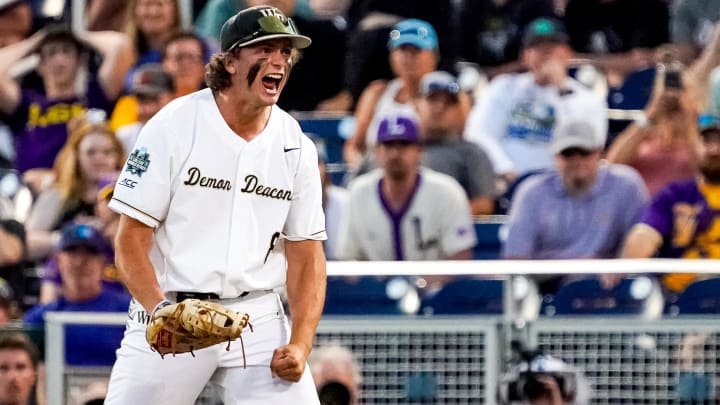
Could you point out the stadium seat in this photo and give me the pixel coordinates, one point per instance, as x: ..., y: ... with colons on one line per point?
x: 633, y: 296
x: 488, y: 240
x: 367, y: 296
x: 478, y: 296
x: 467, y: 296
x: 698, y: 298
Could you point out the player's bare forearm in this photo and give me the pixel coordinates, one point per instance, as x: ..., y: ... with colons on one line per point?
x: 132, y: 244
x: 306, y: 283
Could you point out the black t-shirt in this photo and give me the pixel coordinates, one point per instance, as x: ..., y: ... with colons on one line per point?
x: 602, y: 27
x: 491, y: 35
x: 319, y: 74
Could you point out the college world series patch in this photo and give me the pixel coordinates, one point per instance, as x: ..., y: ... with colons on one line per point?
x: 138, y: 162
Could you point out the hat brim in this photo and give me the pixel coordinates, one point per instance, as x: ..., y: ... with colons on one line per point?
x: 573, y: 142
x: 149, y: 91
x: 559, y: 39
x: 298, y: 41
x: 411, y: 40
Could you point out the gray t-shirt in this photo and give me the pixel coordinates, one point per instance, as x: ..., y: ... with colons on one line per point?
x: 465, y: 162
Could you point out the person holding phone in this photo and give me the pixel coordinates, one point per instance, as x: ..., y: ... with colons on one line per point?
x: 659, y: 145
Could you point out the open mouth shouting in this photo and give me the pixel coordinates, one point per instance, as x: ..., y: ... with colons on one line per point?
x: 271, y: 82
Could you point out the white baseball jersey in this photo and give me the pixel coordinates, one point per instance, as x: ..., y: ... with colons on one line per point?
x: 515, y: 120
x: 435, y: 224
x: 221, y: 206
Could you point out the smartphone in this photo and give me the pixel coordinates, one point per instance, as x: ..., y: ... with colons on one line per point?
x: 673, y: 79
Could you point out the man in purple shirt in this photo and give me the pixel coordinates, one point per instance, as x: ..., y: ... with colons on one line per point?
x: 683, y: 220
x: 583, y: 209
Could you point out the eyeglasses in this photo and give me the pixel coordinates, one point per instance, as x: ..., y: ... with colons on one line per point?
x: 570, y: 152
x: 187, y: 57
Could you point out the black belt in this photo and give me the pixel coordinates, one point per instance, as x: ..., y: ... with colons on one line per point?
x: 183, y: 295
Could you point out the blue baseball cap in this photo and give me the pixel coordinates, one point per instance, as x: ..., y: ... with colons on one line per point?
x: 83, y: 235
x: 398, y: 129
x: 439, y: 81
x: 413, y: 32
x: 707, y: 122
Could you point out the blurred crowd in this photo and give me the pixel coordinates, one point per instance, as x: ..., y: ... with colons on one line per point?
x: 592, y: 126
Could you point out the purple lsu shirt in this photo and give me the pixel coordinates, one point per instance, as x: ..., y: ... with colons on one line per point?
x: 689, y: 226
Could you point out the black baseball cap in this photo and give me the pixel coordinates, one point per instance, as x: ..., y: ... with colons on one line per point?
x: 83, y: 235
x: 259, y: 23
x: 151, y: 80
x: 545, y: 30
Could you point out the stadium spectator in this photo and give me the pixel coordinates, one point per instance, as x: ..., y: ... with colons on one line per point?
x: 152, y: 89
x: 443, y: 148
x: 393, y: 212
x: 369, y: 24
x: 91, y: 153
x: 661, y: 146
x: 16, y: 21
x: 587, y: 207
x: 81, y: 257
x: 619, y: 36
x: 336, y: 374
x: 413, y: 48
x: 515, y: 119
x: 682, y: 220
x: 19, y: 359
x: 39, y: 118
x: 106, y: 220
x: 183, y: 57
x: 490, y: 32
x: 150, y: 23
x: 691, y: 26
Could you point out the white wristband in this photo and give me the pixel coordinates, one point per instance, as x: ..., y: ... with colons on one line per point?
x: 160, y: 304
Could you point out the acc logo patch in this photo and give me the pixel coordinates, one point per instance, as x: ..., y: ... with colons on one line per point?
x: 138, y: 162
x: 128, y: 183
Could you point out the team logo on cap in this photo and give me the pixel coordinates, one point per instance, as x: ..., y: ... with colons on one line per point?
x: 138, y: 162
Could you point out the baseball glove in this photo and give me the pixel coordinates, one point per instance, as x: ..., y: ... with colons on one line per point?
x: 194, y: 324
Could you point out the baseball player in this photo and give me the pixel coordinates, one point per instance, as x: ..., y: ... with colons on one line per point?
x: 221, y: 201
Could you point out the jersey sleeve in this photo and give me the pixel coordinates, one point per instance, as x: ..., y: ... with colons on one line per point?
x: 458, y: 230
x: 349, y: 246
x: 143, y: 188
x: 306, y: 219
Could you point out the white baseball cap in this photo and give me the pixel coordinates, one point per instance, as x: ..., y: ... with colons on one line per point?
x: 576, y: 134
